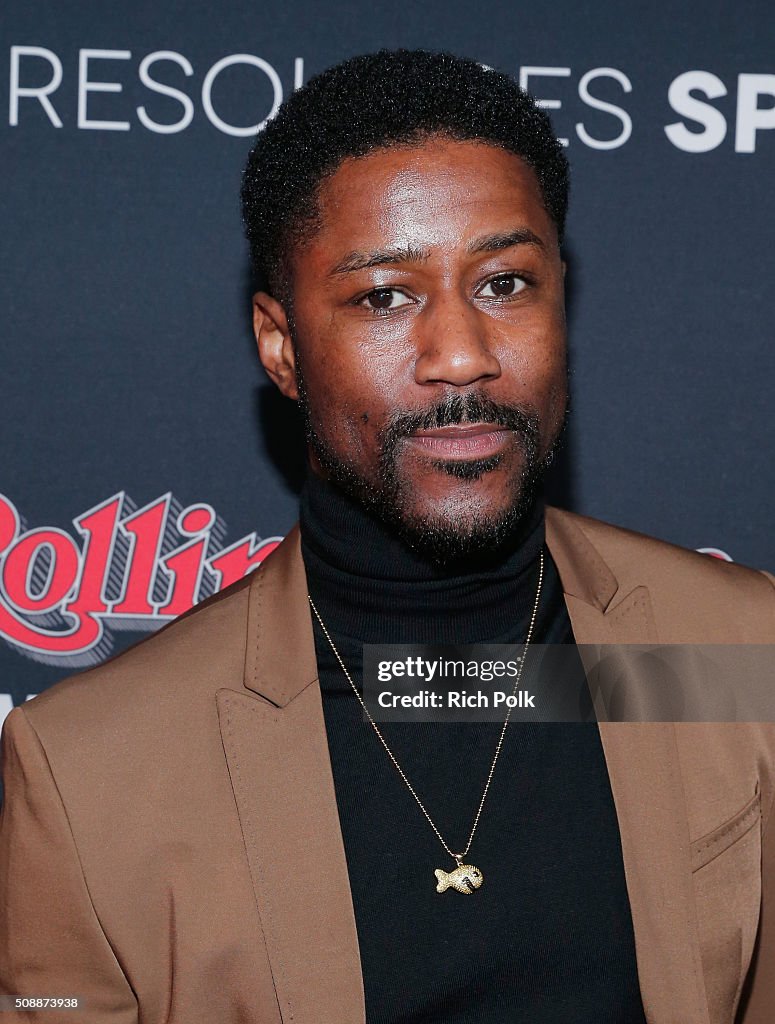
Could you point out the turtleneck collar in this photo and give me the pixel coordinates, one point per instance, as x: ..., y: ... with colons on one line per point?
x: 370, y: 586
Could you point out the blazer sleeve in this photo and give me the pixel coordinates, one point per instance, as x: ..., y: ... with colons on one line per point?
x: 757, y: 1005
x: 51, y: 941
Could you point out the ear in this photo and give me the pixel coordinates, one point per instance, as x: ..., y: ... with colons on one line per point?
x: 275, y: 348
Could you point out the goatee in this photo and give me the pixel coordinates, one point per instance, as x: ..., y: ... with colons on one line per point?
x: 454, y: 543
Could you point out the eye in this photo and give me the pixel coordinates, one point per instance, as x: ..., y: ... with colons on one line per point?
x: 383, y: 299
x: 502, y: 287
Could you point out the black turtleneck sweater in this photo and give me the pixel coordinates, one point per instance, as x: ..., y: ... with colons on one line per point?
x: 548, y: 938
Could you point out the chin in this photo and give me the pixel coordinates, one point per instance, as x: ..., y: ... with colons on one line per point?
x: 475, y: 492
x: 455, y: 539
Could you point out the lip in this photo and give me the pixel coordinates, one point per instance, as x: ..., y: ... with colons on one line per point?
x: 464, y: 440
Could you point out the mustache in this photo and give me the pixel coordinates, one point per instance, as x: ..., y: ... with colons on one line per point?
x: 458, y: 409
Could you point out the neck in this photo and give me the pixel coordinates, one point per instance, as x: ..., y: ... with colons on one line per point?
x: 369, y: 585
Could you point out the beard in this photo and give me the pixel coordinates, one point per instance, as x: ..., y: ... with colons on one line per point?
x: 457, y: 539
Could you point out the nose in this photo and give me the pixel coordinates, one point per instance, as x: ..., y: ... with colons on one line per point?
x: 452, y: 344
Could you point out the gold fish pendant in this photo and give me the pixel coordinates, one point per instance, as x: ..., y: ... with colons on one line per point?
x: 465, y: 877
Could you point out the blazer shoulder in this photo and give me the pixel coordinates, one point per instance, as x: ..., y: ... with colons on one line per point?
x: 186, y: 660
x: 694, y: 585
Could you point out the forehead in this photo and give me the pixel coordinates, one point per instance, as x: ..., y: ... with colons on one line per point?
x: 437, y: 193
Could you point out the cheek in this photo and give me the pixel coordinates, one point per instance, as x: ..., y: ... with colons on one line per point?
x: 355, y: 382
x: 347, y: 404
x: 535, y: 367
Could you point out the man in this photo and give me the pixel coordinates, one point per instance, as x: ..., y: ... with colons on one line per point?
x: 208, y: 829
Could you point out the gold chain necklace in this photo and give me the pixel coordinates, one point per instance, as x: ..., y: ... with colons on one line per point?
x: 464, y: 878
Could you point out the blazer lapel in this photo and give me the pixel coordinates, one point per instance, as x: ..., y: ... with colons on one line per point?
x: 274, y: 738
x: 644, y: 771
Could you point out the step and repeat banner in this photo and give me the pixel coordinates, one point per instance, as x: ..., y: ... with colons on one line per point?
x: 147, y: 461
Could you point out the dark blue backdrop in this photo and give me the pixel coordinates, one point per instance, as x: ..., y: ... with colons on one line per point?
x: 129, y: 366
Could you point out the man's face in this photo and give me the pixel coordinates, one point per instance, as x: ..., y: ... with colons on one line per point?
x: 427, y: 341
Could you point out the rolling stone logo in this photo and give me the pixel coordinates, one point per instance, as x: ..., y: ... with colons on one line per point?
x: 129, y: 568
x: 62, y: 597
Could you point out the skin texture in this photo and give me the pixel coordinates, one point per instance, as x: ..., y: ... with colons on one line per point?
x: 460, y: 316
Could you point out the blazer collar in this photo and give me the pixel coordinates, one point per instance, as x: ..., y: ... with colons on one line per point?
x: 279, y: 619
x: 280, y: 660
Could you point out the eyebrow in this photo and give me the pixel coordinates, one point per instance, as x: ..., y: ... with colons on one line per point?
x: 380, y: 258
x: 413, y: 254
x: 505, y: 240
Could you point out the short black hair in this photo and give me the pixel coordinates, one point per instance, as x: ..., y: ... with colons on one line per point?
x: 384, y: 99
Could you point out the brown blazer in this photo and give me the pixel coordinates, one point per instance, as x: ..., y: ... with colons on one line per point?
x: 171, y: 852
